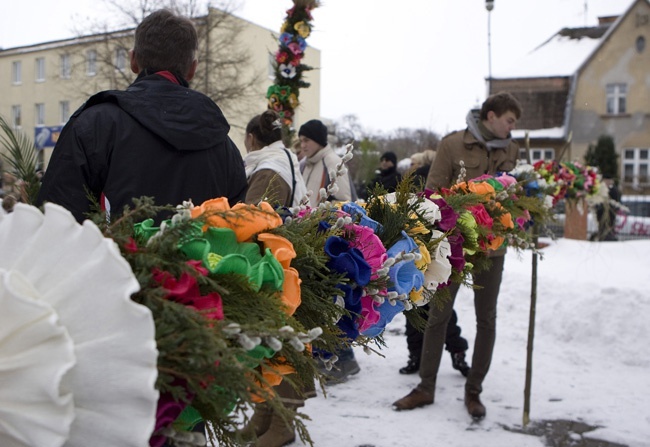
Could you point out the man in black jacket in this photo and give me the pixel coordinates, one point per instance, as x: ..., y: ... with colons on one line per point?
x: 159, y: 138
x: 388, y: 177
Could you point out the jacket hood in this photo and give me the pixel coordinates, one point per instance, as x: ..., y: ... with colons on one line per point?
x: 190, y: 120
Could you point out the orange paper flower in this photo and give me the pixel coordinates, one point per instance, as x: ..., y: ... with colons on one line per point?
x: 273, y: 375
x: 482, y: 188
x: 281, y: 248
x: 506, y: 218
x: 496, y: 243
x: 283, y: 251
x: 244, y: 220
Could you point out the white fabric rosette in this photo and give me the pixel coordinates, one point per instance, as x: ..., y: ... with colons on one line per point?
x: 77, y: 355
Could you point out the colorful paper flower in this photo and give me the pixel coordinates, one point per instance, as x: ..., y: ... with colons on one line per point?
x: 303, y: 29
x: 244, y: 220
x: 287, y: 71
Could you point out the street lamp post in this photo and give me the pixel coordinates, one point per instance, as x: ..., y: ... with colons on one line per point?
x: 489, y: 5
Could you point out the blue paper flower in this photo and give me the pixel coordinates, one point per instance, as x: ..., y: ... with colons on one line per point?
x: 387, y: 312
x: 404, y: 275
x: 358, y: 212
x: 286, y: 39
x: 348, y: 260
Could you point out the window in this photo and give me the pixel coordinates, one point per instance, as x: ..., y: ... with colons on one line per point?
x: 16, y: 72
x: 64, y: 111
x: 636, y: 162
x: 270, y: 68
x: 66, y: 68
x: 91, y: 63
x: 39, y: 114
x: 542, y: 154
x: 120, y: 59
x: 616, y: 99
x: 39, y: 67
x: 16, y: 116
x: 640, y: 44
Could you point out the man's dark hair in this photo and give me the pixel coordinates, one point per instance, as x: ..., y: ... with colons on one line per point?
x: 500, y: 103
x: 165, y: 41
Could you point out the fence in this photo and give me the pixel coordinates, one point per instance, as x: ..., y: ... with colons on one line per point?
x: 632, y: 220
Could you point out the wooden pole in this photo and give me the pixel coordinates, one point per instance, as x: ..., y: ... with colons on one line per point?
x: 531, y: 317
x: 531, y: 332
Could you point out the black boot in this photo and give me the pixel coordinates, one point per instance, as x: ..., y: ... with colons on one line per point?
x: 458, y: 362
x: 412, y: 366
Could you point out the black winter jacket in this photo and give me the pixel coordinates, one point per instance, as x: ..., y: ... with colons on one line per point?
x: 388, y: 178
x: 156, y: 139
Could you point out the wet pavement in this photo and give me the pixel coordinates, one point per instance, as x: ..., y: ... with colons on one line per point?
x: 563, y: 433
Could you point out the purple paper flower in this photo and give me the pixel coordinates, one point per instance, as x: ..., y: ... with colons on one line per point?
x: 449, y: 216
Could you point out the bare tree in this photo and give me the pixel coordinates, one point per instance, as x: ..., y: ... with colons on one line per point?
x: 223, y: 74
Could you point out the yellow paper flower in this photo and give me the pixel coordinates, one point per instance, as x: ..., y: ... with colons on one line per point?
x: 423, y: 263
x: 303, y: 29
x: 417, y: 296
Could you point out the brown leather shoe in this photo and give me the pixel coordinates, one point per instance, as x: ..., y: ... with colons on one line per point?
x: 414, y: 399
x: 474, y: 406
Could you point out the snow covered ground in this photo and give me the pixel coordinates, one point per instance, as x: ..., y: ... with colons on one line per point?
x: 591, y: 361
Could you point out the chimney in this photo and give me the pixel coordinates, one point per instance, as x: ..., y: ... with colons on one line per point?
x: 606, y: 20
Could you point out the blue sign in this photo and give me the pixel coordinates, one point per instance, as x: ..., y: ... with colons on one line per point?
x: 46, y: 136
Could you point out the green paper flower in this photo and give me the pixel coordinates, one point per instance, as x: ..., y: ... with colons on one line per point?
x: 220, y: 253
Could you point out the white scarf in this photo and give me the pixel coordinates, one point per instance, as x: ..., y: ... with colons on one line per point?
x: 274, y: 157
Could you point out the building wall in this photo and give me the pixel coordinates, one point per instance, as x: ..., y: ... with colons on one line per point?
x: 617, y: 61
x: 543, y: 100
x: 259, y: 41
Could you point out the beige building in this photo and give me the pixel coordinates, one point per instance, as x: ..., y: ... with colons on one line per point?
x: 41, y: 85
x: 584, y: 83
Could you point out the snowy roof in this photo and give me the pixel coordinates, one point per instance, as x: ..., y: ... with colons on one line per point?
x: 560, y: 56
x: 552, y: 133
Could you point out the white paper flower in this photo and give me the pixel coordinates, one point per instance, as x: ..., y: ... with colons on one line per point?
x: 71, y: 270
x: 35, y: 353
x: 439, y: 270
x: 287, y: 71
x: 429, y: 211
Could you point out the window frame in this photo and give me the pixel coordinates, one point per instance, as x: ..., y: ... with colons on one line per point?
x: 66, y: 66
x: 16, y: 72
x: 91, y: 63
x: 64, y: 111
x: 39, y: 114
x: 616, y: 98
x: 16, y: 116
x: 39, y: 69
x: 635, y: 163
x: 121, y: 59
x: 541, y: 153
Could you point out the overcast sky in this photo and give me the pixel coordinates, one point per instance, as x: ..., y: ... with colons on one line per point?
x: 408, y: 63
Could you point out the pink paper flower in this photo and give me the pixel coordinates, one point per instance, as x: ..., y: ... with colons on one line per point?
x: 481, y: 215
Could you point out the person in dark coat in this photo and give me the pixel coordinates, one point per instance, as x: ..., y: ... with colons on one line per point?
x: 388, y: 177
x: 159, y: 138
x: 455, y: 344
x: 606, y: 212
